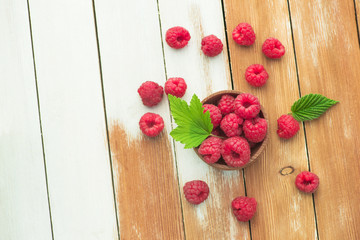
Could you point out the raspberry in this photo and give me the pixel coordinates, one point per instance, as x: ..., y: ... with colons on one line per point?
x: 177, y: 37
x: 211, y: 46
x: 196, y: 191
x: 255, y: 129
x: 307, y: 182
x: 256, y: 75
x: 151, y: 124
x: 247, y: 106
x: 235, y: 151
x: 272, y: 48
x: 151, y: 93
x: 244, y: 34
x: 210, y: 149
x: 215, y: 114
x: 175, y: 86
x: 226, y: 104
x: 287, y: 126
x: 244, y: 208
x: 230, y: 124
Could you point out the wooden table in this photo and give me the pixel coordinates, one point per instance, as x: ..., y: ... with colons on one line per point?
x: 74, y: 164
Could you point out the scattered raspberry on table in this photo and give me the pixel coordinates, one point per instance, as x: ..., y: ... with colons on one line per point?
x: 211, y: 46
x: 244, y: 208
x: 247, y: 106
x: 226, y: 104
x: 177, y: 37
x: 255, y: 129
x: 215, y: 114
x: 287, y: 126
x: 307, y: 182
x: 244, y: 34
x: 236, y: 151
x: 175, y: 86
x: 210, y: 149
x: 151, y: 124
x: 231, y: 125
x: 196, y: 191
x: 272, y: 48
x: 151, y: 93
x: 256, y: 75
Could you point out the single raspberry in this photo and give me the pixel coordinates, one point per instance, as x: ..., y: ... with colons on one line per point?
x: 307, y: 182
x: 255, y: 129
x: 244, y: 208
x: 244, y: 34
x: 196, y: 191
x: 247, y: 106
x: 256, y: 75
x: 211, y: 46
x: 215, y: 114
x: 226, y: 104
x: 177, y: 37
x: 151, y: 93
x: 287, y: 126
x: 151, y: 124
x: 230, y: 124
x: 210, y: 149
x: 175, y: 86
x: 272, y: 48
x: 235, y: 151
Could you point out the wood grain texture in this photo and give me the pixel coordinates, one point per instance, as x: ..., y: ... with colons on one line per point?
x: 283, y: 212
x: 72, y: 114
x: 146, y: 184
x: 212, y: 219
x: 24, y: 209
x: 328, y: 59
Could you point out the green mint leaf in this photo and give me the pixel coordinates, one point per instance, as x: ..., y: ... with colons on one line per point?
x: 311, y: 106
x: 194, y: 126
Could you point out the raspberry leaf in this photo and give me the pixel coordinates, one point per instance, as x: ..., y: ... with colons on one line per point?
x: 194, y: 126
x: 311, y: 106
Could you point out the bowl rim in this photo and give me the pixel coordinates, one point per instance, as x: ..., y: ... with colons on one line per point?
x: 259, y: 151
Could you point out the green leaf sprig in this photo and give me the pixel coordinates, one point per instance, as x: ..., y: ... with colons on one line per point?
x: 194, y: 126
x: 311, y: 106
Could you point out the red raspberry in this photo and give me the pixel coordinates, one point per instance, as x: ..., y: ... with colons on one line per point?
x: 226, y: 104
x: 177, y: 37
x: 196, y: 191
x: 307, y: 182
x: 151, y: 124
x: 215, y: 114
x: 175, y: 86
x: 272, y: 48
x: 151, y: 93
x: 256, y: 75
x: 244, y: 208
x: 244, y: 34
x: 230, y: 124
x: 210, y: 149
x: 211, y: 45
x: 247, y: 106
x: 287, y: 126
x: 235, y: 151
x: 255, y: 129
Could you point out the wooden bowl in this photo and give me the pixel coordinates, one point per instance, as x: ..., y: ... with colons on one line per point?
x: 255, y: 151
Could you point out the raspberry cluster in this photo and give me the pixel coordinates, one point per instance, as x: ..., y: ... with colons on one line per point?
x: 241, y: 129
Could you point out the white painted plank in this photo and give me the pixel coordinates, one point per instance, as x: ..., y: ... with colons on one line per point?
x: 24, y: 210
x: 204, y: 76
x: 72, y: 114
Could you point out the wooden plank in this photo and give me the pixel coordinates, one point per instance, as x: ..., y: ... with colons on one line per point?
x: 328, y: 57
x: 24, y: 207
x: 72, y: 114
x: 147, y: 191
x: 212, y: 219
x: 283, y: 212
